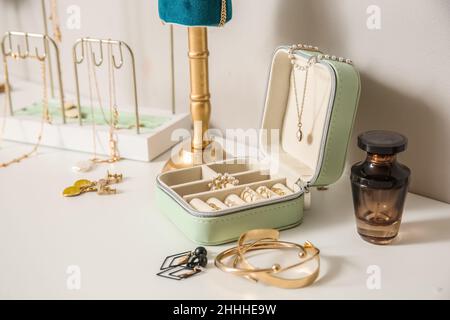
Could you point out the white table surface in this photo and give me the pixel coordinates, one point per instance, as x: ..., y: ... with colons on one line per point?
x: 119, y: 241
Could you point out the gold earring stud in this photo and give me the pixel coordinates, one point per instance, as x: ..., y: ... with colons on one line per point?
x: 114, y: 177
x: 106, y: 190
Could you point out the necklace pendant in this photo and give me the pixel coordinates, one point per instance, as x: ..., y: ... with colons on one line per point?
x: 299, y: 135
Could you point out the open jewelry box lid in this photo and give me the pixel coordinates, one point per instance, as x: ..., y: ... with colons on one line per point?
x: 329, y: 101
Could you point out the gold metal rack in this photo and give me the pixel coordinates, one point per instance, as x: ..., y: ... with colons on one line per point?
x: 9, y: 52
x: 117, y: 64
x: 50, y: 66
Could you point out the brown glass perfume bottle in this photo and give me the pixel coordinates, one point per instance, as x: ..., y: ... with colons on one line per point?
x: 379, y: 186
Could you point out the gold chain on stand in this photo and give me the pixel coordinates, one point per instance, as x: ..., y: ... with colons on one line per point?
x: 97, y: 88
x: 223, y: 13
x: 113, y: 111
x: 55, y: 22
x: 113, y: 149
x: 45, y: 117
x: 5, y: 111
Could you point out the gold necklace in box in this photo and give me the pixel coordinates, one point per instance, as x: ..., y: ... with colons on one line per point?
x: 304, y: 68
x: 311, y: 61
x: 45, y: 115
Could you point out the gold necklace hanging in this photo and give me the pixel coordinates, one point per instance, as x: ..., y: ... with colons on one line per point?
x: 45, y: 116
x: 223, y: 13
x: 304, y: 68
x: 113, y: 110
x: 113, y: 121
x: 55, y: 22
x: 311, y: 62
x: 299, y: 133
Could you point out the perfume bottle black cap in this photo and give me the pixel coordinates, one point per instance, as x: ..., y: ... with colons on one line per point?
x: 382, y: 142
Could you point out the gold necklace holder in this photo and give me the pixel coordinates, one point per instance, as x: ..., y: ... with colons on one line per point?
x: 56, y: 36
x: 201, y: 149
x: 117, y: 63
x: 16, y: 52
x: 144, y: 136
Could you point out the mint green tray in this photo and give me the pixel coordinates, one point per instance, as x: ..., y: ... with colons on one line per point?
x: 126, y: 119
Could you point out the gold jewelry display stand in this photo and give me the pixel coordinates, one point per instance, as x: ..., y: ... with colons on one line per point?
x: 201, y: 149
x: 49, y: 60
x: 9, y: 52
x: 137, y: 142
x: 117, y: 64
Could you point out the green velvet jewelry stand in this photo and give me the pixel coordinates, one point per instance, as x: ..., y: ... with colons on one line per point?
x: 193, y: 12
x: 197, y: 15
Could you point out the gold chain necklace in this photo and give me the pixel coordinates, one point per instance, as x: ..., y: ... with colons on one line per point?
x: 305, y: 68
x: 45, y: 117
x: 299, y: 133
x: 223, y: 13
x: 311, y: 61
x: 91, y: 70
x: 113, y: 111
x: 113, y: 149
x: 55, y: 22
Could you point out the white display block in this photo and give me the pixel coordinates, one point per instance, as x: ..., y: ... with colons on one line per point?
x: 71, y: 136
x: 142, y: 147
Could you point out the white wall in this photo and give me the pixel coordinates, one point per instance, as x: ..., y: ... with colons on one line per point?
x: 404, y: 66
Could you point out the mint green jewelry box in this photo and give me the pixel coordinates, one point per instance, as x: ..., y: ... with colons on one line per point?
x: 329, y: 104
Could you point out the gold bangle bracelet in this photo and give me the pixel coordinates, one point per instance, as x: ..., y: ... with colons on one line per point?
x: 264, y: 239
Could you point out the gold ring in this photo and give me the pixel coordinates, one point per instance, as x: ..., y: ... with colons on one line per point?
x: 213, y: 206
x: 264, y: 192
x: 278, y: 191
x: 249, y: 195
x: 222, y: 181
x: 233, y: 200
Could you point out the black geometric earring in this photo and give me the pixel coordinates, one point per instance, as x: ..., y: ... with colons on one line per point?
x: 176, y: 260
x: 184, y: 265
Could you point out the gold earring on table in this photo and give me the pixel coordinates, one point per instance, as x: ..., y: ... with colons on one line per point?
x: 114, y: 177
x: 102, y: 187
x: 106, y: 190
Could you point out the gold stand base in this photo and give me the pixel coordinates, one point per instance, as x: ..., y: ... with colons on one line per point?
x: 184, y: 156
x: 200, y: 150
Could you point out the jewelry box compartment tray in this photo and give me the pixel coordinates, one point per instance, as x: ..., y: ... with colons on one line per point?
x: 177, y: 188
